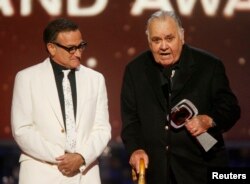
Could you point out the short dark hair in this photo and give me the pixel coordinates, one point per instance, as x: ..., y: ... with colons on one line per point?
x: 56, y: 26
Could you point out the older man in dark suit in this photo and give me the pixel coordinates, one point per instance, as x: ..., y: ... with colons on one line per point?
x: 157, y: 80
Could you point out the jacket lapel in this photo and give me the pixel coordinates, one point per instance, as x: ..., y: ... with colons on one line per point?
x: 152, y: 73
x: 50, y: 89
x: 183, y: 73
x: 81, y: 80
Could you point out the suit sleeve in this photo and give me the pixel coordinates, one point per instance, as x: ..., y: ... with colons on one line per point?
x: 226, y: 110
x: 26, y: 135
x: 130, y: 134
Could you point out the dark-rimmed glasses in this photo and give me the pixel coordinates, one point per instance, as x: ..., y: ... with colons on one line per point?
x: 72, y: 49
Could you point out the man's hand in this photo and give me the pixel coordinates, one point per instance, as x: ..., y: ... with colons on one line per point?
x: 69, y: 163
x: 135, y: 159
x: 199, y: 124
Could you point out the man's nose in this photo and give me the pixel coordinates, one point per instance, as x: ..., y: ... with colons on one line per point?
x: 78, y: 53
x: 164, y: 45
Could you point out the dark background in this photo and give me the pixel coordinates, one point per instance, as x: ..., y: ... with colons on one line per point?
x: 115, y: 36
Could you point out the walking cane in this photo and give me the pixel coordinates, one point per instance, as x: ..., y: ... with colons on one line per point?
x: 140, y: 178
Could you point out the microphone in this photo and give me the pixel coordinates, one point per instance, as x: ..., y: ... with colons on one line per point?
x: 168, y: 73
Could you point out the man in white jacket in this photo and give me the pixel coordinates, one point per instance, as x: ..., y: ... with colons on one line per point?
x: 38, y: 113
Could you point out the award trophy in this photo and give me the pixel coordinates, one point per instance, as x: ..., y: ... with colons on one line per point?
x: 183, y: 111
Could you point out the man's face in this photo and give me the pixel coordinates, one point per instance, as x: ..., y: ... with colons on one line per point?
x: 165, y: 41
x: 62, y: 56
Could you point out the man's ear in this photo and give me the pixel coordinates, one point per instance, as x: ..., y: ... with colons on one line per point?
x: 51, y: 49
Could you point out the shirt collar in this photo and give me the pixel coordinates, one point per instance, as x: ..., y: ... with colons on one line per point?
x: 58, y: 68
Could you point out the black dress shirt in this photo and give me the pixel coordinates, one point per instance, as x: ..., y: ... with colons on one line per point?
x: 58, y: 78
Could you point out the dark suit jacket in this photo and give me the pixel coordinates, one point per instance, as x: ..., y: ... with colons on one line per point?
x: 201, y: 78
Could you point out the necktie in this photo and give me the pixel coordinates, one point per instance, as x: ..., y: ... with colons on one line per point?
x: 69, y: 114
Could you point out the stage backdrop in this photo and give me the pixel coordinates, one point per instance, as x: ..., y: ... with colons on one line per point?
x: 115, y: 31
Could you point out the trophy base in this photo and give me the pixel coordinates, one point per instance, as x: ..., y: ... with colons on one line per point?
x: 206, y: 141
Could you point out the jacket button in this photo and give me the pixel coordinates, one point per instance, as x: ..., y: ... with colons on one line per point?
x: 167, y: 147
x: 62, y: 130
x: 166, y: 127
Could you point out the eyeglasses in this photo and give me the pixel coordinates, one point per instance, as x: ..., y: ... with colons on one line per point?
x: 73, y: 49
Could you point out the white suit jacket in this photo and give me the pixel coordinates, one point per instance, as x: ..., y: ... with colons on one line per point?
x: 38, y: 126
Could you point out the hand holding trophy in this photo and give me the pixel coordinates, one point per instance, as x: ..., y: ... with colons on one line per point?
x: 183, y: 111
